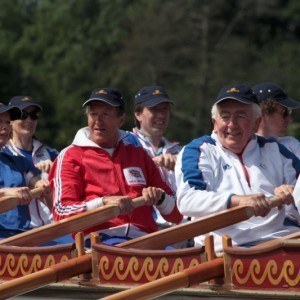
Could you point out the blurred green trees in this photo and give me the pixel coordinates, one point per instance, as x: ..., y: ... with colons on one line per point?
x: 60, y: 50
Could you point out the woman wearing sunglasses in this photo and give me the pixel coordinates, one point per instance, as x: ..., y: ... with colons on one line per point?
x: 16, y: 175
x: 23, y: 143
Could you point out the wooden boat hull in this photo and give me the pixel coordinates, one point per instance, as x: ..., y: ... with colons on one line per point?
x: 270, y: 271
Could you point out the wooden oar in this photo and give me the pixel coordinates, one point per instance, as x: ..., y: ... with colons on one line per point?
x: 188, y: 277
x: 10, y: 202
x: 22, y: 285
x: 72, y: 224
x: 172, y: 235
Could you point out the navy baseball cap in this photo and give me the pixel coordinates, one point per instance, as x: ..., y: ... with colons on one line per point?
x: 271, y: 90
x: 109, y: 95
x: 151, y: 96
x: 15, y: 112
x: 24, y: 101
x: 240, y: 92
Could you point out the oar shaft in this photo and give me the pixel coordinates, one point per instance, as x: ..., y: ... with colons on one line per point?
x: 72, y: 224
x: 172, y: 235
x: 49, y: 275
x: 183, y: 279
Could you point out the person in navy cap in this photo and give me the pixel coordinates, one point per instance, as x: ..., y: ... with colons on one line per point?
x: 100, y: 168
x: 235, y: 167
x: 276, y: 107
x: 152, y: 109
x: 17, y: 175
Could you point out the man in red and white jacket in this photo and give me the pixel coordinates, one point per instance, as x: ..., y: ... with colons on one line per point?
x: 100, y: 168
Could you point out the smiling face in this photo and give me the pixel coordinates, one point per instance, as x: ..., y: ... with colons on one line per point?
x: 234, y: 124
x: 26, y: 127
x: 104, y: 123
x: 5, y: 128
x: 154, y: 120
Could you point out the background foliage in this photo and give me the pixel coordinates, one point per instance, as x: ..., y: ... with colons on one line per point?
x: 60, y: 50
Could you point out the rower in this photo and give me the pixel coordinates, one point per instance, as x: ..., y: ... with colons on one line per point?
x: 17, y: 175
x: 235, y: 167
x: 152, y: 109
x: 100, y: 168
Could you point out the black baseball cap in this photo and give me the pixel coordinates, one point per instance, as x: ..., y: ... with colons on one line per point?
x: 15, y: 112
x: 151, y: 96
x: 24, y: 101
x: 240, y: 92
x: 271, y: 90
x: 109, y: 95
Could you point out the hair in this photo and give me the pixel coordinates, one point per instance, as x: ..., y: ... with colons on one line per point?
x: 120, y: 109
x: 138, y: 108
x: 256, y: 110
x: 268, y: 105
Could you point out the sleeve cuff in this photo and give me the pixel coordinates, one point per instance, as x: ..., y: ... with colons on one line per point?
x: 97, y: 202
x: 228, y: 200
x: 167, y: 206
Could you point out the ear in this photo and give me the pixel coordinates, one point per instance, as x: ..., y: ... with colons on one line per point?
x: 214, y: 123
x: 122, y: 120
x: 256, y: 125
x: 137, y: 115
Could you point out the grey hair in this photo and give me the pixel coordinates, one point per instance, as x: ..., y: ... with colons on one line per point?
x: 256, y: 110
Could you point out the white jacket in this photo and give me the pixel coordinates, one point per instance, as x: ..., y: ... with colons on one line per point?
x: 207, y: 175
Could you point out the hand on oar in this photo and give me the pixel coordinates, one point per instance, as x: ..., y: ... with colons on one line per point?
x: 22, y: 193
x: 123, y: 202
x: 285, y: 193
x: 260, y: 203
x: 17, y: 196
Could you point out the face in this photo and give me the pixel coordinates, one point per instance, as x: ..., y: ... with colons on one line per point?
x: 235, y: 124
x: 154, y: 120
x: 5, y: 128
x: 26, y: 127
x: 277, y: 122
x: 104, y: 123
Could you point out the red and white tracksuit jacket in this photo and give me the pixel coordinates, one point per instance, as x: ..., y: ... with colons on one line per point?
x: 83, y: 172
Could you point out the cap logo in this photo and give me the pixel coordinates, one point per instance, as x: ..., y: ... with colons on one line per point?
x: 25, y: 99
x: 101, y: 92
x: 156, y: 92
x: 233, y: 90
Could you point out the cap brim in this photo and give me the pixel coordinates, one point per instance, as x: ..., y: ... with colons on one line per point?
x: 14, y: 111
x: 157, y: 100
x: 289, y: 103
x: 240, y: 99
x: 27, y: 104
x: 110, y: 102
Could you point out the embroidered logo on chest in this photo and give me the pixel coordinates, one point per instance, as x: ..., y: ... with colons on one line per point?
x: 226, y: 167
x: 134, y: 175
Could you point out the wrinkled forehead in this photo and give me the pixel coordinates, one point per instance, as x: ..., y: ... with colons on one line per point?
x: 233, y: 105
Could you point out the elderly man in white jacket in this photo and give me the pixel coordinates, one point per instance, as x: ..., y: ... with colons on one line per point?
x: 234, y: 167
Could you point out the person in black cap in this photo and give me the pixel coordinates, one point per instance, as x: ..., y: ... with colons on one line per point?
x: 152, y: 108
x: 235, y: 167
x: 24, y: 143
x: 276, y: 107
x: 100, y: 168
x: 151, y: 114
x: 16, y: 175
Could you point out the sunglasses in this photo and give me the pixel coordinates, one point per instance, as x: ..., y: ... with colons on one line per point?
x: 285, y: 112
x: 33, y: 115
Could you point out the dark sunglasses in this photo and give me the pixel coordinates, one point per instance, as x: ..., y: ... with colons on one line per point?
x: 285, y: 112
x: 34, y: 115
